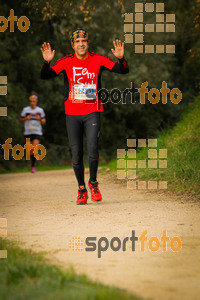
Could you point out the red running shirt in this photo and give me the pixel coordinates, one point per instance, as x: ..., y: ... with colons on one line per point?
x: 81, y: 76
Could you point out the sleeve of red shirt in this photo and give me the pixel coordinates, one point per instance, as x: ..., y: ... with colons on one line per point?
x: 113, y: 66
x: 58, y: 66
x: 107, y: 62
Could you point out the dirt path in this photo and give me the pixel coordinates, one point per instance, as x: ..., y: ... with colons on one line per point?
x: 41, y: 212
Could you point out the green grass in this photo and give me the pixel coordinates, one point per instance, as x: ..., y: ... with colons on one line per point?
x: 27, y: 275
x: 183, y: 145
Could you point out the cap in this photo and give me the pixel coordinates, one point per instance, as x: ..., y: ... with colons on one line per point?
x: 78, y: 34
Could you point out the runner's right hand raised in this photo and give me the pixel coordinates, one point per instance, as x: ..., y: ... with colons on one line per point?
x: 47, y: 53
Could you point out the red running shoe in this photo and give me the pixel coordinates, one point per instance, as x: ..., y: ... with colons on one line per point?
x: 94, y: 189
x: 82, y: 197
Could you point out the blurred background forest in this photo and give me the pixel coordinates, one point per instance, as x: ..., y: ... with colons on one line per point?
x: 53, y: 21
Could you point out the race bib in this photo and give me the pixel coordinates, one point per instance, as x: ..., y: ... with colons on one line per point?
x: 84, y: 91
x: 33, y: 126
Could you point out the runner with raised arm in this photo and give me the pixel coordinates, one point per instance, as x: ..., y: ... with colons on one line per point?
x: 82, y: 79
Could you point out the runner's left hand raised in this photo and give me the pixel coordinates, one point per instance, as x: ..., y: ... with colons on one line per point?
x: 118, y: 50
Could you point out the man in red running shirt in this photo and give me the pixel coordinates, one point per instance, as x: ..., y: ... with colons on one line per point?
x: 82, y: 80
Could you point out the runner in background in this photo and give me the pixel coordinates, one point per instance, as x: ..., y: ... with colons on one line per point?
x: 82, y: 80
x: 33, y: 118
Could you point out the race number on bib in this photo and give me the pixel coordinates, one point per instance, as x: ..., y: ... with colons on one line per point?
x: 84, y: 91
x: 33, y: 126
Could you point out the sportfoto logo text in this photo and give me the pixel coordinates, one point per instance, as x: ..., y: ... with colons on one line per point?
x: 116, y: 244
x: 153, y: 95
x: 23, y: 22
x: 18, y: 150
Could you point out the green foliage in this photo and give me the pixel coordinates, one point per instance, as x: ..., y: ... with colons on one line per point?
x: 182, y: 142
x: 183, y: 160
x: 26, y: 275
